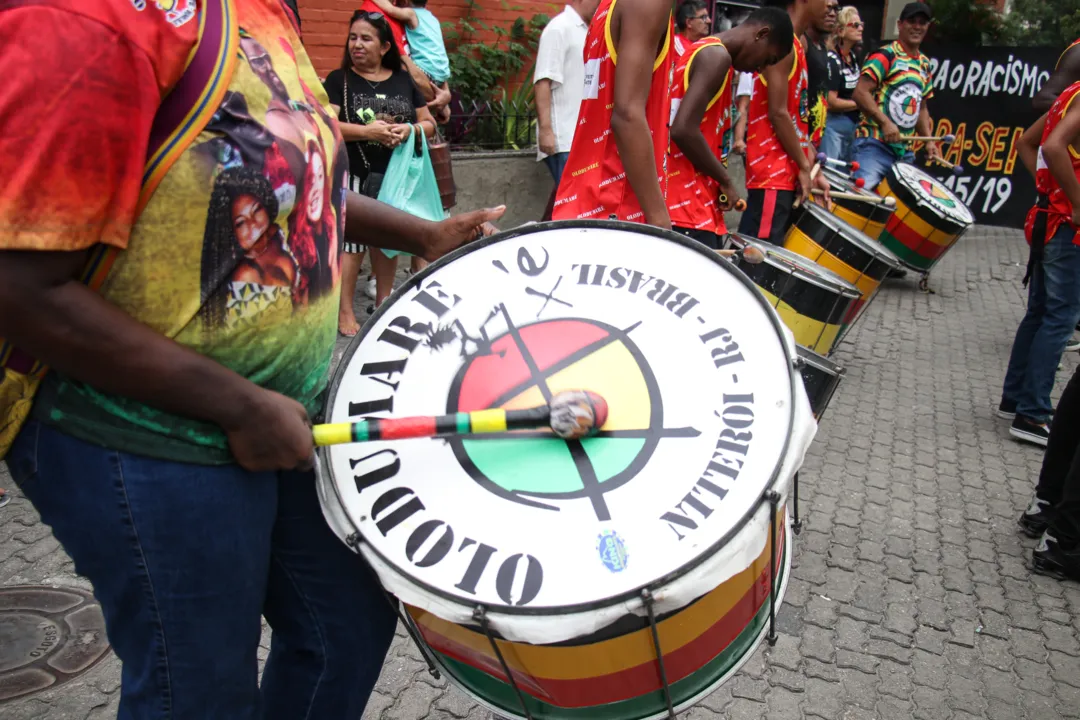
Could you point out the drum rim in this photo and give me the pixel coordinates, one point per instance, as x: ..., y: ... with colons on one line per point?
x: 857, y: 237
x: 930, y: 207
x: 416, y: 279
x: 827, y: 280
x: 815, y: 359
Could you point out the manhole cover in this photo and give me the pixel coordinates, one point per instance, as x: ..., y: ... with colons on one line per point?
x: 47, y: 637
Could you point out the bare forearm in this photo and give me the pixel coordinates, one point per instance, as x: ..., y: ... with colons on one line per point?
x: 352, y: 132
x: 77, y: 332
x: 924, y: 125
x: 1058, y: 162
x: 840, y: 105
x: 634, y: 142
x: 694, y: 146
x: 542, y: 97
x: 370, y: 222
x: 865, y: 102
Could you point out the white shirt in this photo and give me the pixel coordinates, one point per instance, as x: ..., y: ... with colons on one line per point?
x: 560, y: 59
x: 746, y: 84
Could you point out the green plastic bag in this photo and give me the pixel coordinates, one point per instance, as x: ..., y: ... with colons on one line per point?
x: 410, y: 184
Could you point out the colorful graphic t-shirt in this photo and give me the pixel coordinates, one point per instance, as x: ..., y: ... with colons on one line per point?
x: 594, y: 183
x: 903, y: 84
x: 691, y: 195
x: 768, y: 165
x: 236, y: 254
x: 1059, y: 209
x: 844, y: 77
x: 817, y: 83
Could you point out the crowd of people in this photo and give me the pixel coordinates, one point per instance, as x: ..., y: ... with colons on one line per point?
x: 170, y: 302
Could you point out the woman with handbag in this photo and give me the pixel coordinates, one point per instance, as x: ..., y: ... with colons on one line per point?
x: 377, y: 104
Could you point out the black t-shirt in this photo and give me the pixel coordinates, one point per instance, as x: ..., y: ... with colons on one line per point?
x: 393, y: 100
x: 817, y: 78
x: 843, y: 77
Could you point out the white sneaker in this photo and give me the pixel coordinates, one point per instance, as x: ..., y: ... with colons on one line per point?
x: 1072, y: 346
x: 369, y: 287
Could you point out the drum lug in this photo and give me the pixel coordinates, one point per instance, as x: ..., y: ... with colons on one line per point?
x: 480, y: 616
x: 924, y: 284
x: 774, y: 502
x: 353, y: 541
x: 647, y: 598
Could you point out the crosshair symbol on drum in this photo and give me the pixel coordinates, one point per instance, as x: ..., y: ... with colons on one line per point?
x: 523, y: 368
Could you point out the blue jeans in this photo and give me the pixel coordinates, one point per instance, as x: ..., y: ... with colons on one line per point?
x: 839, y: 132
x: 185, y: 558
x: 556, y: 163
x: 1052, y: 313
x: 874, y: 158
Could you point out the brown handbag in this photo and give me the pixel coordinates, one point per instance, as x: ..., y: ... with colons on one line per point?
x: 439, y: 150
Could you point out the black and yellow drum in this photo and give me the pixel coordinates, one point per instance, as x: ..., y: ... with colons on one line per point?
x: 820, y: 377
x: 813, y: 302
x: 843, y: 249
x: 867, y: 214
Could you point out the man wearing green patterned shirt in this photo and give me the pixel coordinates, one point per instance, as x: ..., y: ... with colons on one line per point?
x: 892, y: 93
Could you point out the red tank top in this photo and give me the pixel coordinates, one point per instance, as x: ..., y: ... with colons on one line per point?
x: 594, y: 182
x: 692, y: 196
x: 767, y: 165
x: 1059, y: 210
x: 1066, y: 50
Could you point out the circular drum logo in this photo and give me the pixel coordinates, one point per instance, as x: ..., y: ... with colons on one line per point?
x: 522, y: 369
x: 903, y: 103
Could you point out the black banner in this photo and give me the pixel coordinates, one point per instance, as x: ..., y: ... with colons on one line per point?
x: 983, y: 97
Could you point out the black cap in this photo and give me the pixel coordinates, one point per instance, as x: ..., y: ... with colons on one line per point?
x: 916, y: 8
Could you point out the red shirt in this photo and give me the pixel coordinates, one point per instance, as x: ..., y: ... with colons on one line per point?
x: 1059, y: 209
x: 768, y: 166
x: 692, y: 196
x: 680, y: 44
x: 594, y: 183
x: 396, y: 28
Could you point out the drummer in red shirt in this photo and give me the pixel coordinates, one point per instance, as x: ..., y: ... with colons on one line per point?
x: 1053, y: 308
x: 615, y: 169
x: 778, y: 149
x: 699, y: 189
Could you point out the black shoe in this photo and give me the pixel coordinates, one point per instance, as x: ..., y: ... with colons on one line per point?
x: 1050, y: 558
x: 897, y: 272
x: 1007, y: 409
x: 1035, y: 519
x: 1028, y: 430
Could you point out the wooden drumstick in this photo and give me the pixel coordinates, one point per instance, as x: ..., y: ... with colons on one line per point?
x: 749, y: 253
x: 571, y: 415
x: 869, y: 197
x: 947, y: 139
x: 956, y: 169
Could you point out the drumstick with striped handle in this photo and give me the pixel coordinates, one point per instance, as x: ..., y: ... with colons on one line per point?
x: 571, y: 415
x: 856, y: 196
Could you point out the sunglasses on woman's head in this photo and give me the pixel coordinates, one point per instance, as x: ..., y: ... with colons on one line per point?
x: 370, y: 15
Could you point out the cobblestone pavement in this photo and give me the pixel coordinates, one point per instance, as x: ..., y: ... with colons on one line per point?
x: 911, y: 594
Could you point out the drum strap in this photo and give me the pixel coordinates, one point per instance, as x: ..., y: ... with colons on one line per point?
x: 1038, y: 237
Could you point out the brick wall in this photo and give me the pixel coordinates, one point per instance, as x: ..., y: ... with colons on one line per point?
x: 324, y: 21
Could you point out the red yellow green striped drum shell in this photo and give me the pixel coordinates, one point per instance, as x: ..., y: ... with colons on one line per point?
x: 867, y: 214
x: 833, y: 244
x: 928, y: 220
x: 813, y: 301
x: 534, y: 571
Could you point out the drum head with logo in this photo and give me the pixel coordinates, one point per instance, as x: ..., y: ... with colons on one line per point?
x: 697, y: 372
x: 931, y: 194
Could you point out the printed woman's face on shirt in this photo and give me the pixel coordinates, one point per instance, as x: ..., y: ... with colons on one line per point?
x: 365, y: 49
x: 317, y: 191
x: 250, y: 221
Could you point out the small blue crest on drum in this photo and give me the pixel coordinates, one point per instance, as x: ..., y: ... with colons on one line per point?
x: 612, y: 551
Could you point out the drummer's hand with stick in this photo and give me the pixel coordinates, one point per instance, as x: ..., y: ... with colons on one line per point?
x: 821, y: 187
x: 890, y: 132
x: 460, y: 229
